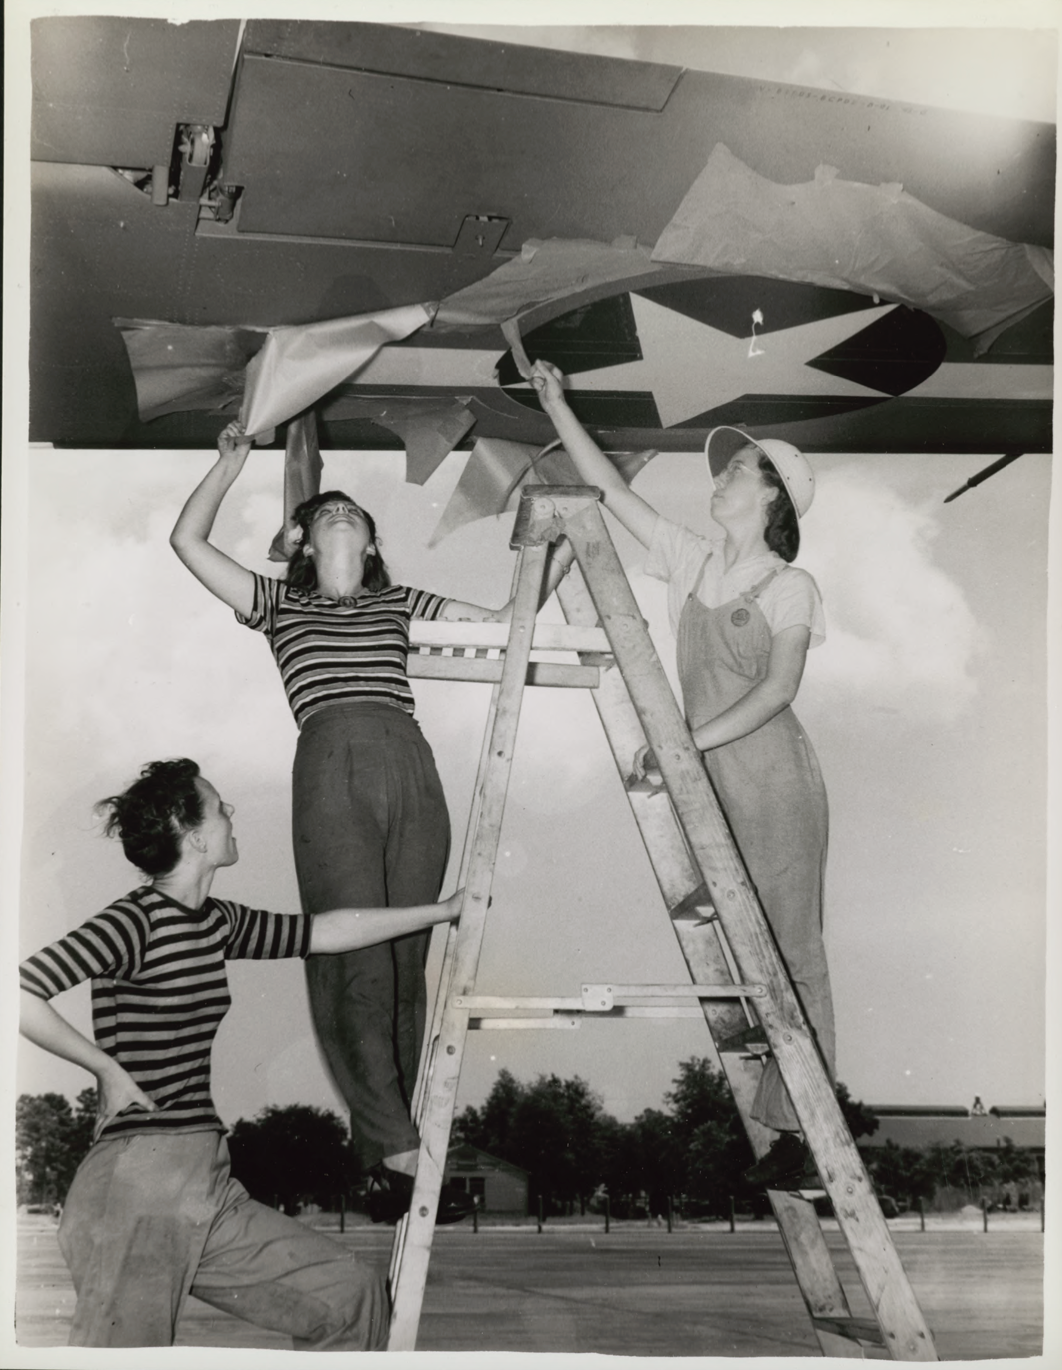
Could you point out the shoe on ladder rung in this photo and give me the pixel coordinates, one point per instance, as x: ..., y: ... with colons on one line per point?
x: 787, y: 1164
x: 752, y: 1039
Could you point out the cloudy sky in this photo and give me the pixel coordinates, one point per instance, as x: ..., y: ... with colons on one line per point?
x: 926, y: 705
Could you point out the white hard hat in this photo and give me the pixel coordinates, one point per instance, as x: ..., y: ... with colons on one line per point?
x: 787, y: 460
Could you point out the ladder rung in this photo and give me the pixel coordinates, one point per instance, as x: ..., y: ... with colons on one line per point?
x: 604, y: 998
x: 571, y: 1017
x: 486, y: 670
x: 855, y: 1329
x: 547, y: 637
x: 727, y: 991
x: 558, y: 1020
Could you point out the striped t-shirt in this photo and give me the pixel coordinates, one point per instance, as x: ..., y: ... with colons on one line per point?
x: 332, y: 653
x: 160, y: 990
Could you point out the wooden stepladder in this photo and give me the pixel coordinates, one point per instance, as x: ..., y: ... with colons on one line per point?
x: 737, y: 978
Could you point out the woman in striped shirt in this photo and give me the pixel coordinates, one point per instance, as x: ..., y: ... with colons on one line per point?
x: 369, y: 819
x: 153, y: 1213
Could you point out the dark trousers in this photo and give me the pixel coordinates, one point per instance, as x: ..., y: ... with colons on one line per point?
x: 370, y: 829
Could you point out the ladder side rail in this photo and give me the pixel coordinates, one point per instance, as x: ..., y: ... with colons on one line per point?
x: 442, y: 984
x: 407, y: 1292
x: 441, y: 996
x: 840, y: 1164
x: 813, y: 1266
x: 665, y: 843
x: 709, y: 960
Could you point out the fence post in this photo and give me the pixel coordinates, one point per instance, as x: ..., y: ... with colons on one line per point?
x: 670, y: 1214
x: 922, y: 1212
x: 984, y: 1211
x: 475, y: 1213
x: 342, y: 1212
x: 540, y: 1212
x: 608, y: 1213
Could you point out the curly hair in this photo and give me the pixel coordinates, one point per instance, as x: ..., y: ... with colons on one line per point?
x: 302, y: 573
x: 151, y: 816
x: 782, y: 530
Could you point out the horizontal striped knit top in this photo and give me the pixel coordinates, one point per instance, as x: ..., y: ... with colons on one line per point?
x: 333, y: 653
x: 160, y: 990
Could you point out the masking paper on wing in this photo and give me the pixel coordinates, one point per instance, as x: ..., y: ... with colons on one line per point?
x: 876, y: 240
x: 300, y: 363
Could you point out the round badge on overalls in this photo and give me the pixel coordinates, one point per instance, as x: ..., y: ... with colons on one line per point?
x: 740, y: 617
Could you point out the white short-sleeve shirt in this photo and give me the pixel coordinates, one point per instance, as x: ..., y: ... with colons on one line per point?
x: 676, y: 555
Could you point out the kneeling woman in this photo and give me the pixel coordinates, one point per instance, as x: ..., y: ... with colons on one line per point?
x: 153, y: 1213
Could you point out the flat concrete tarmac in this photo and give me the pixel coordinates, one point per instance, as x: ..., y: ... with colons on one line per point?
x: 637, y: 1291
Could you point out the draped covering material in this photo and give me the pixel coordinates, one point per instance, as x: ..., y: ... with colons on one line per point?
x: 496, y: 470
x: 545, y: 270
x: 302, y: 480
x: 429, y: 429
x: 300, y: 363
x: 181, y: 366
x: 876, y: 240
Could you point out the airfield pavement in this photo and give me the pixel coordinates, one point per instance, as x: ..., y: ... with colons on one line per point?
x: 639, y: 1290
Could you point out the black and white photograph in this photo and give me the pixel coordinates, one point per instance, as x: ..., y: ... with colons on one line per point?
x: 529, y: 630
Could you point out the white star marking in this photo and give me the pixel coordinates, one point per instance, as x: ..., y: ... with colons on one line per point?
x: 691, y: 367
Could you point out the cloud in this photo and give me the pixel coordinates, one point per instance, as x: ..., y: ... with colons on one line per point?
x: 128, y: 657
x: 901, y: 635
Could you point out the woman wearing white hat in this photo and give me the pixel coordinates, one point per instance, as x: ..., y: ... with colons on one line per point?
x: 744, y: 619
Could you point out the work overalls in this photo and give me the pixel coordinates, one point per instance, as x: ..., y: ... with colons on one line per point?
x: 771, y: 790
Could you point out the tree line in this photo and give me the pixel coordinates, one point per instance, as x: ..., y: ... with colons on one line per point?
x: 692, y: 1152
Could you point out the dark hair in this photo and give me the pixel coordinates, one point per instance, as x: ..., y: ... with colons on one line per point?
x: 782, y: 531
x: 302, y: 573
x: 153, y: 813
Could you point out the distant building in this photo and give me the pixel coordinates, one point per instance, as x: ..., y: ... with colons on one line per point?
x: 930, y: 1124
x: 500, y: 1186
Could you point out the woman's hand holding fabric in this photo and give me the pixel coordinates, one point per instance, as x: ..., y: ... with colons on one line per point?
x: 233, y: 443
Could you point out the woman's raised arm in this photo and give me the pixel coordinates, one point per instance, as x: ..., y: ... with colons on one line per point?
x: 595, y: 468
x: 190, y: 539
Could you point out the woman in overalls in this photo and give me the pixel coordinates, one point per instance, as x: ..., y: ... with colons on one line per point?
x: 744, y: 619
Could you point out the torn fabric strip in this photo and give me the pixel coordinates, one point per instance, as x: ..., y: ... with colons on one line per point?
x: 496, y: 470
x: 302, y: 480
x: 545, y: 270
x: 186, y: 366
x: 430, y: 430
x: 300, y: 363
x: 877, y: 240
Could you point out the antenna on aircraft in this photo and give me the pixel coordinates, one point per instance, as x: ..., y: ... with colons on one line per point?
x: 984, y: 475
